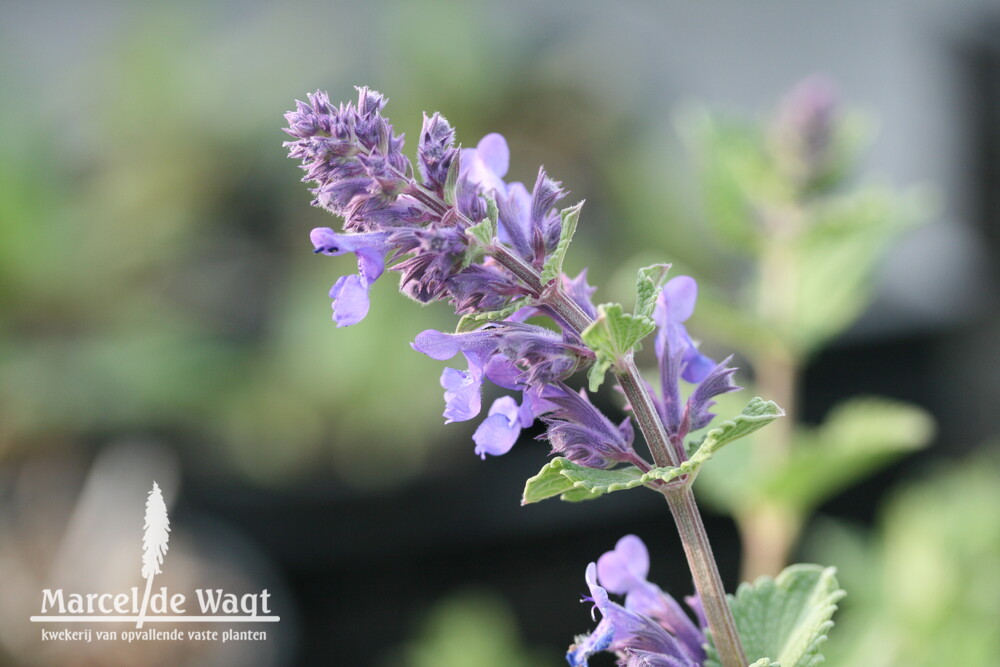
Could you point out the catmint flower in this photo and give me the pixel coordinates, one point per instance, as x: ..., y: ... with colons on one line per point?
x: 510, y: 354
x: 679, y: 358
x: 350, y: 293
x: 497, y: 433
x: 528, y: 222
x: 353, y: 157
x: 623, y: 571
x: 581, y: 432
x: 627, y: 633
x: 651, y: 629
x: 485, y: 165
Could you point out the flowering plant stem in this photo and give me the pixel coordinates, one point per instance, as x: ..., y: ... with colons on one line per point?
x: 679, y: 497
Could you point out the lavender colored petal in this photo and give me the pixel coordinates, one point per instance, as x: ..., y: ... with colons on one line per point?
x: 371, y: 263
x: 493, y: 151
x: 485, y: 165
x: 624, y: 571
x: 629, y: 630
x: 502, y: 372
x: 680, y: 293
x: 462, y: 392
x: 620, y: 570
x: 350, y: 300
x: 436, y: 345
x: 500, y: 430
x: 696, y: 365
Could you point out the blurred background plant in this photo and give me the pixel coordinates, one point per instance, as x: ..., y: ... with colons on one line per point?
x: 156, y: 282
x: 801, y: 243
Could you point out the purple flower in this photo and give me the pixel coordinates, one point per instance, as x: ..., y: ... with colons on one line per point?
x: 350, y: 293
x: 354, y: 161
x: 651, y: 629
x: 528, y: 222
x: 485, y: 165
x: 581, y: 432
x: 679, y: 358
x: 511, y: 355
x: 625, y: 632
x: 624, y: 570
x: 462, y: 400
x: 675, y: 306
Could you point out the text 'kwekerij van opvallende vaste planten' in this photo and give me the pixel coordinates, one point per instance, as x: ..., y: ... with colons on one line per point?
x: 455, y: 231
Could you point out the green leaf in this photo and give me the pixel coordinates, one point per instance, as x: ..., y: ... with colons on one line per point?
x: 481, y: 234
x: 554, y: 263
x: 451, y: 180
x: 647, y: 287
x: 765, y: 662
x: 485, y: 231
x: 572, y: 481
x: 473, y: 321
x: 857, y: 437
x: 838, y: 254
x: 562, y: 477
x: 757, y: 414
x: 613, y: 335
x: 785, y: 620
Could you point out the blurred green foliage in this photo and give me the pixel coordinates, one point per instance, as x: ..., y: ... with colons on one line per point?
x: 802, y: 244
x: 922, y: 586
x: 155, y: 268
x: 468, y: 628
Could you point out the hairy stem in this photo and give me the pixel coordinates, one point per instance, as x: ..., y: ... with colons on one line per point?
x: 680, y: 498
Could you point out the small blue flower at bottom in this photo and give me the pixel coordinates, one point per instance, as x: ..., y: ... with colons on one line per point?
x: 651, y: 629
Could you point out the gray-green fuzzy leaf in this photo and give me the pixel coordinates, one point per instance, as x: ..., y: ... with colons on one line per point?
x: 785, y: 619
x: 611, y: 336
x: 554, y: 263
x: 648, y: 282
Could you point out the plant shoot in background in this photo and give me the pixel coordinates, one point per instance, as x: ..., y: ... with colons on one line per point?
x: 779, y: 196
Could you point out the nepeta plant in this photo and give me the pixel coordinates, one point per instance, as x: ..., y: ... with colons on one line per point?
x: 455, y: 231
